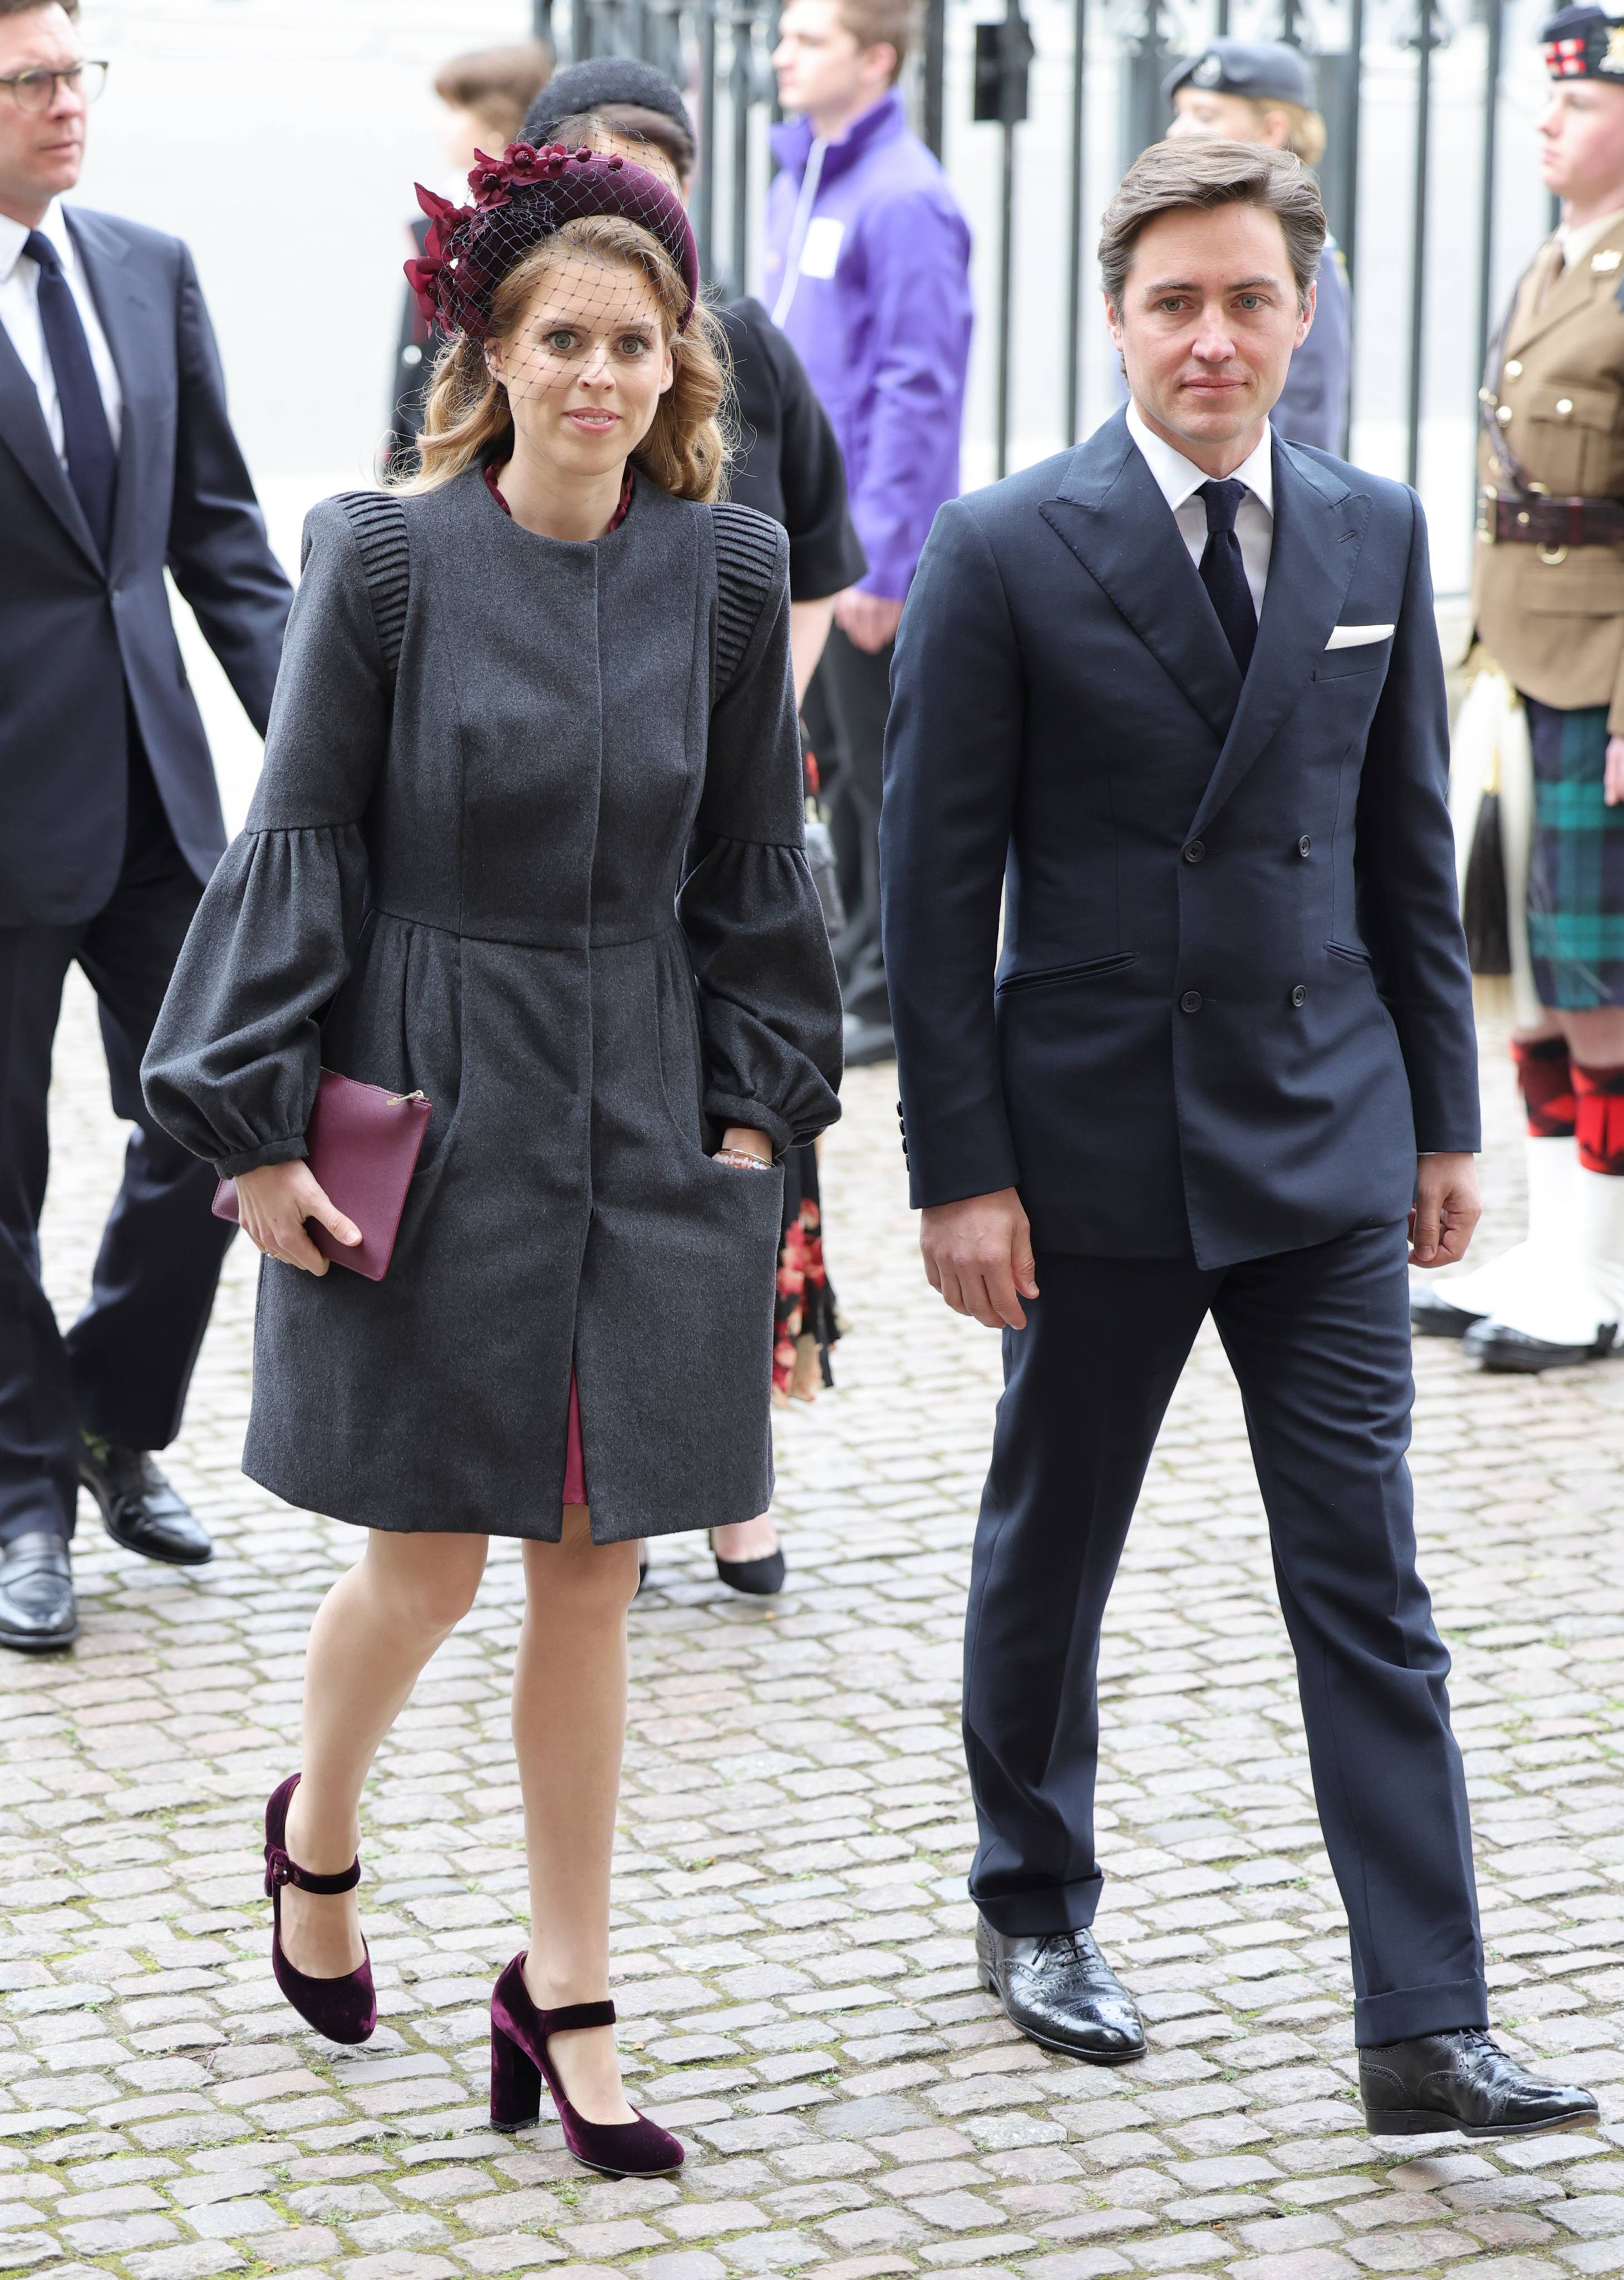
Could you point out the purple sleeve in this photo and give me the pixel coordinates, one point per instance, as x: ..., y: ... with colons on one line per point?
x: 918, y: 252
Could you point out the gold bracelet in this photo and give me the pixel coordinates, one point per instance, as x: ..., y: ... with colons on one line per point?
x: 743, y: 1156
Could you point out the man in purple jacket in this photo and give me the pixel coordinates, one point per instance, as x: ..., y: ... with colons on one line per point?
x: 867, y: 270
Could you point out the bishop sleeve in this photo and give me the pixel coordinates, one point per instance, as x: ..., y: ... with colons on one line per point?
x: 233, y: 1065
x: 769, y: 1002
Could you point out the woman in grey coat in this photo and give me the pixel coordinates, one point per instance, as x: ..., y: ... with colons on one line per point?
x: 529, y: 840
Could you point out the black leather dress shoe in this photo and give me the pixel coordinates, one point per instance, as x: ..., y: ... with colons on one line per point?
x: 1507, y: 1353
x: 1432, y: 1316
x: 1463, y: 2081
x: 36, y: 1593
x: 1060, y: 1990
x: 139, y: 1508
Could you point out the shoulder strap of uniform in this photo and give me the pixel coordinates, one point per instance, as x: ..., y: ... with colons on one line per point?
x: 748, y: 551
x: 379, y: 522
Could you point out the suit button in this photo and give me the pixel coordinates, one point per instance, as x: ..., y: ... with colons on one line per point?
x: 1514, y: 370
x: 1194, y: 852
x: 1190, y: 1002
x: 1299, y: 996
x: 1304, y: 844
x: 1564, y: 404
x: 1504, y: 415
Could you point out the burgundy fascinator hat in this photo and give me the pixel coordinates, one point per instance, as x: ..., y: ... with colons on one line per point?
x: 519, y: 199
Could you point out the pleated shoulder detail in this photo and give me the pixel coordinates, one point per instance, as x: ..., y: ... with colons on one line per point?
x: 379, y: 523
x: 751, y: 564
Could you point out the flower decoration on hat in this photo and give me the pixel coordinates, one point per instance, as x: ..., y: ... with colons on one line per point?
x: 519, y: 199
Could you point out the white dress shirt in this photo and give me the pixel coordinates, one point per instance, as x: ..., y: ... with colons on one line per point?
x: 1178, y: 480
x: 19, y: 313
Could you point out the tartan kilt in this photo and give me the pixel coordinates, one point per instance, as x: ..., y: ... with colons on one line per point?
x: 1576, y: 866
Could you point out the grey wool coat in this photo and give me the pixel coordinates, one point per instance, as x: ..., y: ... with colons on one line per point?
x: 556, y: 882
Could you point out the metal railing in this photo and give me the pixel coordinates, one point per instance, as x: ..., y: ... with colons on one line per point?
x: 1036, y: 110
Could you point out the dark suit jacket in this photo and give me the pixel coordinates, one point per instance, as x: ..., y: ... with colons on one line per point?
x: 79, y: 634
x: 1233, y: 998
x: 789, y: 464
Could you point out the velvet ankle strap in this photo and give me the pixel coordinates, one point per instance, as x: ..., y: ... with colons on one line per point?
x: 279, y: 1869
x: 574, y: 2015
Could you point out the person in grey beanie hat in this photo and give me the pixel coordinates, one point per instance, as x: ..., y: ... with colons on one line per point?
x: 786, y: 464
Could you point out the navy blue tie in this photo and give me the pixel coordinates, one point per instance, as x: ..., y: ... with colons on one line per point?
x: 1223, y: 573
x: 92, y: 463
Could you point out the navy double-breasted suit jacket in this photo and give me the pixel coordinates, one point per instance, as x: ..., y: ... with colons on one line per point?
x: 1233, y: 998
x: 83, y: 637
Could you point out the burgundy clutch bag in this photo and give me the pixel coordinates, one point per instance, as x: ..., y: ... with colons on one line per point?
x: 363, y: 1146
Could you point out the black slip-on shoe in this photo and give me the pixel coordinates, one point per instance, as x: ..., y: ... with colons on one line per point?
x: 1061, y: 1993
x: 37, y: 1613
x: 1463, y: 2080
x: 1432, y: 1316
x: 139, y: 1508
x: 1507, y: 1353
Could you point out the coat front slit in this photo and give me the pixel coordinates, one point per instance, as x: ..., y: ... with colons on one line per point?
x: 549, y: 883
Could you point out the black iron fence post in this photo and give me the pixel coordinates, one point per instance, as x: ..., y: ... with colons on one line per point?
x: 1418, y: 253
x: 1491, y: 151
x: 934, y: 62
x: 705, y: 191
x: 1076, y: 253
x: 1003, y: 58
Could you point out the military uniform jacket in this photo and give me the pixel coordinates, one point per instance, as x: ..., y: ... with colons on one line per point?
x: 1554, y: 617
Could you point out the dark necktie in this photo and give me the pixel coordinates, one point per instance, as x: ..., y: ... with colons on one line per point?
x: 1223, y: 573
x: 92, y: 463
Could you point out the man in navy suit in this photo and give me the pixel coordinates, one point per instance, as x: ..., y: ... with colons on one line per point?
x: 117, y: 459
x: 1177, y: 696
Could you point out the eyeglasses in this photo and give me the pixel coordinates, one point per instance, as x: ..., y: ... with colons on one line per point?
x: 36, y: 90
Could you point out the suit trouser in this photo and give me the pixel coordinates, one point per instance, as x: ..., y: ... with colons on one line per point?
x: 1319, y: 1342
x: 846, y: 710
x: 124, y: 1367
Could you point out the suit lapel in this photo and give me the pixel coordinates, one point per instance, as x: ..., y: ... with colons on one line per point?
x: 1319, y: 529
x: 127, y: 320
x: 24, y: 434
x: 1112, y: 515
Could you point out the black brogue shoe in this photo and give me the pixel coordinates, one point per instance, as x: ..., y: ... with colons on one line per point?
x: 139, y: 1508
x: 1060, y: 1990
x: 1463, y: 2080
x: 37, y: 1613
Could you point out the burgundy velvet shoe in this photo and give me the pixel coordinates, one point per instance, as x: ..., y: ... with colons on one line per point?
x: 520, y: 2065
x: 344, y: 2010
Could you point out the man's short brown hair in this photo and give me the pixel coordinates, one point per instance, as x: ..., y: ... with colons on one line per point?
x: 875, y: 23
x: 497, y: 85
x: 1198, y: 176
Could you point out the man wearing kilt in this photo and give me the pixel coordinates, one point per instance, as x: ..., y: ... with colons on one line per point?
x: 1548, y: 593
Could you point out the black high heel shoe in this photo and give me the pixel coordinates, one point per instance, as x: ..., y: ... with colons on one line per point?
x: 760, y: 1579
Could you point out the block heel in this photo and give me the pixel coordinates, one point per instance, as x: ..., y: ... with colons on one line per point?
x: 520, y: 2065
x: 515, y: 2084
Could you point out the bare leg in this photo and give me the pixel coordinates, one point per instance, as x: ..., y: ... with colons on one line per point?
x: 747, y: 1539
x: 569, y: 1723
x: 372, y: 1634
x: 1595, y: 1036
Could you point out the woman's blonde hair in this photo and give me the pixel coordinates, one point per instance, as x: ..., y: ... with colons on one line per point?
x: 1305, y: 129
x: 466, y: 417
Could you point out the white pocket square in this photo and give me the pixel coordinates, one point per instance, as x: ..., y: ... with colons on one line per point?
x: 1355, y: 636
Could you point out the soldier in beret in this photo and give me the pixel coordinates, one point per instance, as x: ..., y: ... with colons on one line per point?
x: 1548, y: 594
x: 1262, y: 91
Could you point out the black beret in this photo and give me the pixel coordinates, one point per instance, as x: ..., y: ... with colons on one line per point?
x: 1257, y: 68
x: 1583, y: 43
x: 601, y: 80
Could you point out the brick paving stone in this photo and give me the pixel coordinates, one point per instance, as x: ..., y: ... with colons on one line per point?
x: 792, y: 1938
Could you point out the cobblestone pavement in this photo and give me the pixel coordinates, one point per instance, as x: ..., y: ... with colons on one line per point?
x: 793, y: 1944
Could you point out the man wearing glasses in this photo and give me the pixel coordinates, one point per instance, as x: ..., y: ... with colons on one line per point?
x: 117, y: 459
